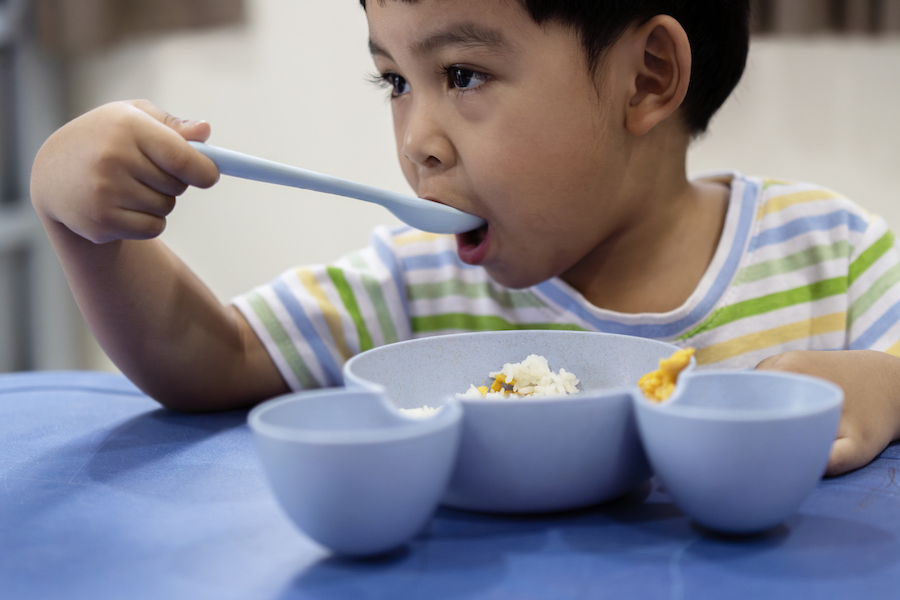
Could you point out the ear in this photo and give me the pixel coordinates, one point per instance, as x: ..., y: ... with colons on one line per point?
x: 660, y: 70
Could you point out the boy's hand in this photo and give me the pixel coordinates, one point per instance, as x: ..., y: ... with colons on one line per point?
x: 114, y: 172
x: 871, y: 384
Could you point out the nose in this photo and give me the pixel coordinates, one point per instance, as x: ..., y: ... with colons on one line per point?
x: 425, y: 142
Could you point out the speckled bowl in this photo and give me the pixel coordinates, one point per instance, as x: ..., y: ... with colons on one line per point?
x: 527, y: 455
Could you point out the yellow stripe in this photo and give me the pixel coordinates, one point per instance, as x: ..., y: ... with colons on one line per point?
x: 894, y: 350
x: 771, y: 337
x: 329, y: 312
x: 778, y: 203
x: 414, y: 237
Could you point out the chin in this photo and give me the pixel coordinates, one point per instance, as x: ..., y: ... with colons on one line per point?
x: 513, y: 280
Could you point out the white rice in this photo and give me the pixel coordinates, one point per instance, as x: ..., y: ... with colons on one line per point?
x: 422, y: 412
x: 532, y: 377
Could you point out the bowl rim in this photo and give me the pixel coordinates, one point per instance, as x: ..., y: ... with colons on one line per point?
x: 406, y: 427
x: 834, y: 399
x: 348, y: 375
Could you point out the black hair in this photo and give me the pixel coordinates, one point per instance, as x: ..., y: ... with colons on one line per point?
x: 718, y: 32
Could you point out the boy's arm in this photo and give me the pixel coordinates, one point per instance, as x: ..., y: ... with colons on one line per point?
x: 102, y: 186
x: 871, y: 384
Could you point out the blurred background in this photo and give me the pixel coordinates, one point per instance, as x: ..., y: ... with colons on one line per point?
x: 286, y: 80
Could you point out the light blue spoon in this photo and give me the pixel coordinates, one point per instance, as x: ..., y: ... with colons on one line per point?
x: 421, y: 214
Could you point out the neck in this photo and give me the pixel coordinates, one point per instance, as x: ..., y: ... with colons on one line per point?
x: 667, y: 233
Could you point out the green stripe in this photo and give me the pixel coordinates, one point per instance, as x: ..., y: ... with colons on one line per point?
x: 349, y: 300
x: 869, y: 256
x: 282, y: 340
x: 871, y: 295
x: 454, y: 287
x: 793, y: 262
x: 770, y: 302
x: 467, y: 322
x: 376, y: 295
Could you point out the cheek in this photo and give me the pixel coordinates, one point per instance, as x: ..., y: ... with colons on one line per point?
x: 552, y: 161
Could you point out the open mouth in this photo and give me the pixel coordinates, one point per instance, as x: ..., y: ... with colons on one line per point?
x: 472, y: 245
x: 474, y: 237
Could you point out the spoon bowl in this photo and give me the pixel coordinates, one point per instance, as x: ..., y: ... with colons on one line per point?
x: 422, y: 214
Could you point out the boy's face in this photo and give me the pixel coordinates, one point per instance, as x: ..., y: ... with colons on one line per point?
x: 499, y: 117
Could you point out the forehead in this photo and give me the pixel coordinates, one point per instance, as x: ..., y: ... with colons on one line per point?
x: 426, y: 26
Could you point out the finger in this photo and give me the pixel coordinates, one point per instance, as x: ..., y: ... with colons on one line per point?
x: 195, y: 130
x: 150, y: 202
x: 136, y: 225
x: 168, y: 149
x: 134, y: 182
x: 124, y: 224
x: 120, y: 217
x: 846, y: 455
x: 173, y: 155
x: 768, y: 363
x: 139, y: 214
x: 156, y: 179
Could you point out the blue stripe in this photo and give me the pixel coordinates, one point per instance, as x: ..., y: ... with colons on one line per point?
x: 877, y: 329
x: 308, y: 332
x: 389, y: 260
x: 792, y: 229
x: 666, y: 330
x: 433, y: 261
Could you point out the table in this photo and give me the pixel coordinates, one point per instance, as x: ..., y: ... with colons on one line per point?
x: 107, y: 495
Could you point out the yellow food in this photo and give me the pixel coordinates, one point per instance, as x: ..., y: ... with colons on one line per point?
x: 659, y: 384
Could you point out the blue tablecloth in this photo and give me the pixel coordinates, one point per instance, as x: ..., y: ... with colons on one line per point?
x: 103, y: 494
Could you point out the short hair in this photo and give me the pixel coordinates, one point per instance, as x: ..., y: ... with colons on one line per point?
x: 717, y: 30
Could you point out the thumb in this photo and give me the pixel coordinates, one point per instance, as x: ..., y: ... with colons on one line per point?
x: 192, y: 130
x: 846, y: 455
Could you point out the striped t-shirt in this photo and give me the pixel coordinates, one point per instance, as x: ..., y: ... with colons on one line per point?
x: 798, y: 267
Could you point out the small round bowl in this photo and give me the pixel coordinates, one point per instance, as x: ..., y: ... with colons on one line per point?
x: 739, y: 451
x: 527, y: 455
x: 352, y: 472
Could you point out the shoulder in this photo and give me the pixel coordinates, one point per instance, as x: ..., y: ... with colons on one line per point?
x: 791, y: 214
x: 782, y: 201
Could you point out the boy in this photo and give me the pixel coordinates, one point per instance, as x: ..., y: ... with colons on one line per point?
x: 565, y: 125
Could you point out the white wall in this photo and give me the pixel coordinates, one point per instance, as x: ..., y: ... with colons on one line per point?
x: 291, y: 86
x: 818, y: 109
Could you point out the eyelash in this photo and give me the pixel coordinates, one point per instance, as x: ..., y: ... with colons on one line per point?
x: 388, y: 81
x: 384, y: 81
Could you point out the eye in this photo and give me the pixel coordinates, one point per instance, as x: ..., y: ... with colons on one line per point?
x: 396, y: 83
x: 465, y: 79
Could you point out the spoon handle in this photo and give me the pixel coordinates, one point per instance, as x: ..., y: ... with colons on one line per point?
x: 245, y: 166
x: 421, y: 214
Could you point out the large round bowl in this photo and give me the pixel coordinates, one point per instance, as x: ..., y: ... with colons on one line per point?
x: 739, y: 451
x: 351, y: 471
x: 527, y: 455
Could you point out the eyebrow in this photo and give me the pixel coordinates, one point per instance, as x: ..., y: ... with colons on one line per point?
x: 462, y: 34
